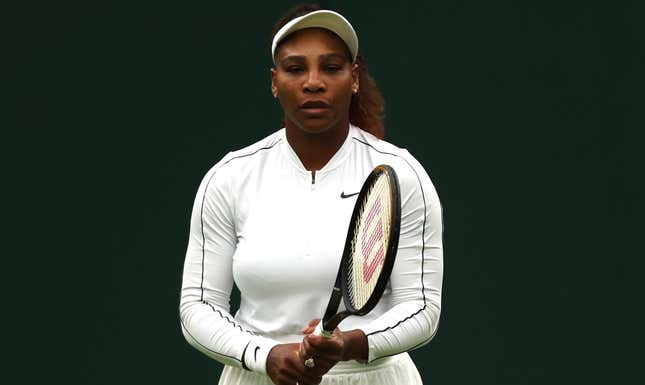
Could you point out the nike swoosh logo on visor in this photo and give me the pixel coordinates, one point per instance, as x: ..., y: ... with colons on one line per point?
x: 343, y: 195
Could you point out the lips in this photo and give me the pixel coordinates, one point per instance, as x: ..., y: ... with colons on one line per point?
x: 314, y: 104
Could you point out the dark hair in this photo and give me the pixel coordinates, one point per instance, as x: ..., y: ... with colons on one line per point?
x: 367, y: 107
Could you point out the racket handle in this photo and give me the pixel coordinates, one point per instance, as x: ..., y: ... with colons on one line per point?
x: 319, y: 331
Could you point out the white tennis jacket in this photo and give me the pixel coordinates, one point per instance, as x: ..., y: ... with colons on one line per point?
x: 261, y: 221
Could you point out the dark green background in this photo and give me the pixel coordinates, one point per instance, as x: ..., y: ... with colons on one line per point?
x: 528, y: 116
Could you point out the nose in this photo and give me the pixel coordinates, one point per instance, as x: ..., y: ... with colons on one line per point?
x: 313, y: 83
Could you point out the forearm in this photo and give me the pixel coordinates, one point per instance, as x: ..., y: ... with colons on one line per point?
x: 417, y: 276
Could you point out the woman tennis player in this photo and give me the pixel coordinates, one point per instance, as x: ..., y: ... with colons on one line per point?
x: 273, y: 219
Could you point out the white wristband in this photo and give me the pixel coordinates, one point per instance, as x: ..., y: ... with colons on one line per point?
x: 257, y: 352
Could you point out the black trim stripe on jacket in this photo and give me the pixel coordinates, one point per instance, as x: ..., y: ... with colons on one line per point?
x: 423, y: 236
x: 204, y: 253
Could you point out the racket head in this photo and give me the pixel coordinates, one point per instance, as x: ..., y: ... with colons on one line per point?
x: 372, y: 241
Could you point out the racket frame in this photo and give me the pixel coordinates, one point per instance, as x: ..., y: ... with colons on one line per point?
x: 332, y: 317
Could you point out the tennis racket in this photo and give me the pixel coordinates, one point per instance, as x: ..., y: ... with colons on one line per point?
x: 370, y: 250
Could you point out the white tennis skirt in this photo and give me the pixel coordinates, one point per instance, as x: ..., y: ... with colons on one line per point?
x: 395, y: 370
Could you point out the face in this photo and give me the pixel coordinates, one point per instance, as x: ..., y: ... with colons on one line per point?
x: 314, y: 80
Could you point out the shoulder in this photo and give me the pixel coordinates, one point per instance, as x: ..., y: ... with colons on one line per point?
x: 233, y: 165
x: 252, y: 152
x: 410, y: 171
x: 237, y: 159
x: 371, y: 143
x: 418, y: 193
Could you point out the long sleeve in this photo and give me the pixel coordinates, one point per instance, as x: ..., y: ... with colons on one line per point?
x: 417, y: 276
x: 258, y: 214
x: 208, y: 280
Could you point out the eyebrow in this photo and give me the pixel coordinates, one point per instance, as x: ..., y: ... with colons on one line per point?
x: 320, y: 57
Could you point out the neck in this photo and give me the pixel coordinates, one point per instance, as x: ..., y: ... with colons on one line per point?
x: 316, y: 149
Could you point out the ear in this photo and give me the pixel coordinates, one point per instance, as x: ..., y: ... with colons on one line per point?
x: 274, y: 89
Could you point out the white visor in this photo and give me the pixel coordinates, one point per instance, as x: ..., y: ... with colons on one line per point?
x: 329, y: 20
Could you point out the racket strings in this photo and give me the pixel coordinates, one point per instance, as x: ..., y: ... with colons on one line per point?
x: 369, y: 244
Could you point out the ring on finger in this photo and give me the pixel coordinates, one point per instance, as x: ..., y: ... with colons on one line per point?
x: 310, y: 363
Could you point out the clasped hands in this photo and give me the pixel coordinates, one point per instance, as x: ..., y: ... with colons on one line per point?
x: 286, y: 362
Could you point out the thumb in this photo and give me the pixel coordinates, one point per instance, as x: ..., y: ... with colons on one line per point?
x: 311, y: 326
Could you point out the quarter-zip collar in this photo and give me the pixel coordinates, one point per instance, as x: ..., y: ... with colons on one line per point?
x: 336, y: 160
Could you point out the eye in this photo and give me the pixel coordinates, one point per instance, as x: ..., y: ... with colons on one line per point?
x: 333, y: 68
x: 294, y: 69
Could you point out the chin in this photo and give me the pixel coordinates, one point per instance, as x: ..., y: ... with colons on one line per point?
x: 313, y: 125
x: 315, y: 128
